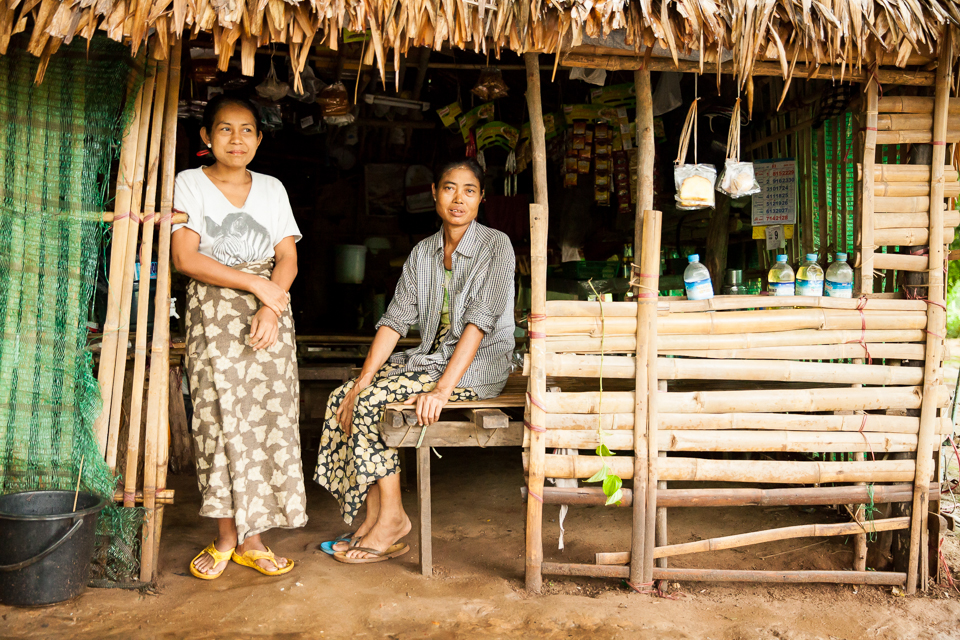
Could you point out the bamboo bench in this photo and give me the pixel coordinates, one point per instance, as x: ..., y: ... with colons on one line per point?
x: 472, y: 423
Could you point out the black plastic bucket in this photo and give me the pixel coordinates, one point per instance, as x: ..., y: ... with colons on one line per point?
x: 45, y: 546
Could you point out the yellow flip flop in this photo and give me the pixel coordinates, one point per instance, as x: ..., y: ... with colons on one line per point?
x: 218, y: 557
x: 249, y: 559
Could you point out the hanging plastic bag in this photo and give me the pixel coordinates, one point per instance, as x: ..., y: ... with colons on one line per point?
x: 695, y: 182
x: 738, y: 178
x: 271, y: 88
x: 490, y: 86
x: 335, y: 100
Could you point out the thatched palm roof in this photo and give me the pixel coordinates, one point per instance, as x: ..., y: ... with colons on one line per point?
x: 847, y: 32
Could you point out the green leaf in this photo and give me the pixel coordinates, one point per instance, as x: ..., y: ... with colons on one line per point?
x: 612, y: 484
x: 602, y: 450
x: 601, y: 475
x: 615, y: 498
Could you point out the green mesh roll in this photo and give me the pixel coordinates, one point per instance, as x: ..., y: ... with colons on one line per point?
x: 57, y: 143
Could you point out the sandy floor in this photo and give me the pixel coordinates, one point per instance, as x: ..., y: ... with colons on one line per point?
x: 478, y: 590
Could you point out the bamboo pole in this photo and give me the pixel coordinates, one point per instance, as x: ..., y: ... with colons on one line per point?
x: 538, y: 385
x: 162, y: 497
x: 743, y: 497
x: 835, y: 184
x: 167, y: 220
x: 913, y: 189
x: 914, y: 104
x: 782, y: 577
x: 125, y: 179
x: 913, y: 122
x: 662, y: 534
x: 914, y: 136
x: 769, y: 320
x: 866, y: 246
x: 936, y: 313
x: 951, y: 219
x: 917, y: 237
x: 646, y: 152
x: 751, y: 471
x: 178, y: 218
x: 787, y: 400
x: 730, y: 303
x: 704, y: 440
x: 844, y: 205
x: 565, y: 365
x: 143, y: 297
x: 645, y: 425
x: 901, y: 261
x: 904, y: 204
x: 159, y: 392
x: 822, y: 205
x: 878, y: 351
x: 914, y: 173
x: 784, y: 533
x: 866, y: 422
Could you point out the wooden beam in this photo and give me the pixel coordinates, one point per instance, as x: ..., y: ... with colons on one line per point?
x: 489, y: 418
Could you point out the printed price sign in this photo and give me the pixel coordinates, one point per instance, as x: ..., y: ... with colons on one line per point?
x: 776, y: 204
x: 775, y: 237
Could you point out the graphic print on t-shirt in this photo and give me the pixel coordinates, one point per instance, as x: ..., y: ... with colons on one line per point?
x: 238, y: 239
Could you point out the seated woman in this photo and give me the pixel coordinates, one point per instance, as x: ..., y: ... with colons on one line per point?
x: 239, y: 249
x: 457, y: 285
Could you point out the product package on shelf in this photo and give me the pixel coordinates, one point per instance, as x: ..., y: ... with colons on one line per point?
x: 694, y: 182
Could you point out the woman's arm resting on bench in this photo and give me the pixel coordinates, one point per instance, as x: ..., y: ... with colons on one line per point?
x: 383, y: 345
x: 430, y: 404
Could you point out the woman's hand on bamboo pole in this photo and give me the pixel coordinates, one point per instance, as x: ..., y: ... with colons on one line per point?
x: 264, y: 329
x: 429, y: 405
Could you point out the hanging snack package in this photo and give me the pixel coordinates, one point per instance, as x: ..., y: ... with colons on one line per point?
x: 579, y: 128
x: 583, y: 166
x: 570, y: 179
x: 570, y: 164
x: 695, y: 182
x: 335, y: 100
x: 738, y: 178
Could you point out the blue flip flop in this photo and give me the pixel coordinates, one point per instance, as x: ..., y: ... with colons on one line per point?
x: 327, y: 547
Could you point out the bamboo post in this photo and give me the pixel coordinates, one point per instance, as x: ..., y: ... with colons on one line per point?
x: 163, y: 252
x: 823, y: 205
x: 661, y: 535
x: 866, y: 188
x: 159, y: 393
x: 645, y: 153
x: 143, y: 297
x: 644, y: 442
x: 538, y: 286
x: 121, y: 225
x: 844, y: 205
x: 126, y: 281
x: 936, y: 312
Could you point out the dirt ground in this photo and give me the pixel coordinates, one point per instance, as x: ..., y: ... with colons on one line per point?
x: 478, y: 592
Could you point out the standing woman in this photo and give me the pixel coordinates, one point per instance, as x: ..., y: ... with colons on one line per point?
x: 239, y: 249
x: 457, y: 285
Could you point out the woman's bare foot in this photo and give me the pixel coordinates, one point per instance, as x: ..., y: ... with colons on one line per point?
x: 373, y: 512
x: 205, y: 563
x: 253, y: 543
x: 387, y: 531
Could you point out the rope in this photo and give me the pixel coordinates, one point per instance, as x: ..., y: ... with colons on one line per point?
x: 861, y: 305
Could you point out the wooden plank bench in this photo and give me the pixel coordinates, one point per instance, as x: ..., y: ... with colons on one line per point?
x: 472, y: 423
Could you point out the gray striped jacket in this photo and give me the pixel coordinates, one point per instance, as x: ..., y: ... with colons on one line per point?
x: 481, y: 294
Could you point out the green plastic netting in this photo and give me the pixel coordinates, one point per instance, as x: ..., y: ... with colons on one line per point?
x: 57, y: 143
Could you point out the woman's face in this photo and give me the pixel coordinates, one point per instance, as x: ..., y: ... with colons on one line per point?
x: 458, y: 194
x: 234, y: 139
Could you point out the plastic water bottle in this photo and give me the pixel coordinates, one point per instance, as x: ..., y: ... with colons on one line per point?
x: 780, y: 278
x: 810, y: 277
x: 840, y: 278
x: 696, y: 279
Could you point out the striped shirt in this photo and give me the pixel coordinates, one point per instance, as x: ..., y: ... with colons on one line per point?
x: 481, y: 294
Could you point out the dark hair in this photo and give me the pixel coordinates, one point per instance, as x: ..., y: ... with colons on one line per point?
x: 470, y: 164
x: 222, y: 100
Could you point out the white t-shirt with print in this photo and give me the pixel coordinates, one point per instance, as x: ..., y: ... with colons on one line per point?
x: 229, y: 234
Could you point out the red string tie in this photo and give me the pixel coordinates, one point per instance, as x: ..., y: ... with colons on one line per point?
x: 537, y: 335
x: 535, y: 402
x: 534, y: 495
x: 534, y: 427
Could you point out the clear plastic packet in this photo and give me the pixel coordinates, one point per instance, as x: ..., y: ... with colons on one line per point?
x: 695, y: 182
x: 695, y: 186
x: 335, y: 101
x: 490, y: 85
x: 271, y: 88
x: 738, y: 179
